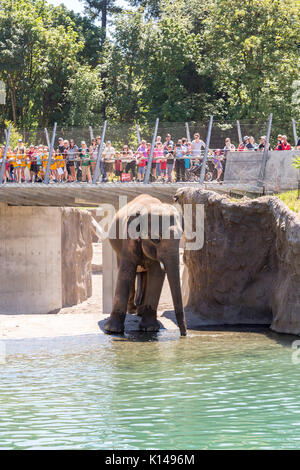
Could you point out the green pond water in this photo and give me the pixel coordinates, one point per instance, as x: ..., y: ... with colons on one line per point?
x: 211, y: 390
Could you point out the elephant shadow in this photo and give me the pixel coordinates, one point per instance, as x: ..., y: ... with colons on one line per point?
x: 132, y: 328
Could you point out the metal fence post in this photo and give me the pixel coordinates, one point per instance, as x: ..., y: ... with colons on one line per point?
x: 47, y: 175
x: 239, y: 132
x: 99, y: 155
x: 188, y: 135
x: 265, y: 154
x: 91, y: 133
x: 295, y: 132
x: 47, y: 137
x: 203, y: 166
x: 5, y: 155
x: 149, y: 166
x: 138, y: 133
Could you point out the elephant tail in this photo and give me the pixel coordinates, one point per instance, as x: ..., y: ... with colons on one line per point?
x: 140, y: 288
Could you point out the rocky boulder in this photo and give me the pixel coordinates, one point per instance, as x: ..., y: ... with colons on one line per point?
x: 77, y: 253
x: 248, y: 271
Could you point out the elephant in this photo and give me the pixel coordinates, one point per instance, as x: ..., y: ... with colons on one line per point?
x: 145, y: 256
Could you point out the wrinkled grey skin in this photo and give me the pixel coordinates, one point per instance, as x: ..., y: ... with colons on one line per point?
x: 152, y: 258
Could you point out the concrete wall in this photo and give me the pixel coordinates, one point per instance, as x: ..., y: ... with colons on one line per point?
x: 30, y: 259
x: 280, y: 173
x: 45, y: 258
x: 244, y: 167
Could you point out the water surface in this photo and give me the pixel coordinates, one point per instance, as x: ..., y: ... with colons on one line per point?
x: 211, y: 390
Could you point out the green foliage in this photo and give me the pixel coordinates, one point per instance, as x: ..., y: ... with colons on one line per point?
x: 179, y: 60
x: 254, y: 50
x: 36, y: 60
x: 85, y: 97
x: 290, y: 198
x: 152, y: 8
x: 296, y: 162
x: 96, y: 9
x: 14, y: 134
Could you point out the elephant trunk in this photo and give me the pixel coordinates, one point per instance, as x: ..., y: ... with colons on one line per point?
x: 172, y: 269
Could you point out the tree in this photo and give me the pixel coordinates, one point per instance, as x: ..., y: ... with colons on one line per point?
x: 85, y: 96
x: 36, y: 61
x: 88, y: 32
x: 254, y: 50
x: 152, y: 8
x: 122, y: 67
x: 97, y: 9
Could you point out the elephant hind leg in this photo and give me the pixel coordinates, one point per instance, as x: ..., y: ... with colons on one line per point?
x: 149, y: 318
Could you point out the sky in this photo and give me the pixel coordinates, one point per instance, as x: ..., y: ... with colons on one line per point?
x: 75, y: 5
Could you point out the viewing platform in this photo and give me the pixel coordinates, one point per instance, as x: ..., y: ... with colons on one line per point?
x: 90, y: 195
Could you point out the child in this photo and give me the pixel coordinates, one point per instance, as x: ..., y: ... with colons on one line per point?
x: 141, y: 160
x: 85, y: 165
x: 163, y: 168
x: 118, y: 166
x: 170, y: 163
x: 217, y: 163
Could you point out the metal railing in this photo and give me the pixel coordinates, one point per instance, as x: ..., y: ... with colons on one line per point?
x: 49, y: 165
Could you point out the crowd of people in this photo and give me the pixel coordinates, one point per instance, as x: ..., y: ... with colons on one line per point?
x: 171, y: 161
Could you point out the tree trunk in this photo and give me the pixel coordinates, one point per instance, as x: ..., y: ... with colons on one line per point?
x: 104, y: 18
x: 13, y: 98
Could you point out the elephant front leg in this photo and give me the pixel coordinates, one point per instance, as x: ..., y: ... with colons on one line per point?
x: 126, y: 276
x: 148, y: 311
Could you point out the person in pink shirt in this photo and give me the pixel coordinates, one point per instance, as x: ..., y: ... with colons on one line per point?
x: 158, y: 155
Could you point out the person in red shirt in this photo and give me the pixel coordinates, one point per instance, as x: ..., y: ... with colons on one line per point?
x: 163, y: 168
x: 284, y: 145
x: 118, y: 166
x: 141, y: 161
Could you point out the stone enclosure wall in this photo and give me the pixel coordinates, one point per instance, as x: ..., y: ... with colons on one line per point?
x: 77, y: 254
x: 248, y: 271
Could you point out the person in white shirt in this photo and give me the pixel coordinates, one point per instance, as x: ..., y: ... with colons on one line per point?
x: 197, y: 145
x: 108, y: 156
x: 229, y: 147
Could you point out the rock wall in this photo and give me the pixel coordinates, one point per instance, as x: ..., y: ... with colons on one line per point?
x: 248, y: 271
x: 77, y: 253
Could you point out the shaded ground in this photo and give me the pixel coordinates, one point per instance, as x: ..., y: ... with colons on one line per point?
x: 79, y: 319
